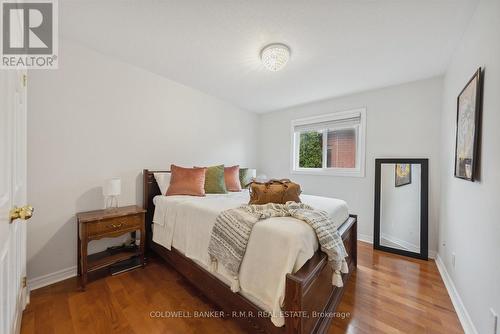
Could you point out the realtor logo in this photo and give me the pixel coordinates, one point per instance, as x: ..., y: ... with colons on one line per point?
x: 29, y: 34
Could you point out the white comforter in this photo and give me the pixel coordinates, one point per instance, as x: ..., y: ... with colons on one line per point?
x: 277, y: 246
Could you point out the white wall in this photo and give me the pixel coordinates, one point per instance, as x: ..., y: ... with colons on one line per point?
x: 400, y: 208
x: 469, y: 220
x: 402, y: 121
x: 96, y: 118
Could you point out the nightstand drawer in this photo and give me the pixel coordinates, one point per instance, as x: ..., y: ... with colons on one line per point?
x: 114, y: 226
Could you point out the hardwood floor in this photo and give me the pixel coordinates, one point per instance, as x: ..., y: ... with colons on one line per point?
x: 387, y: 294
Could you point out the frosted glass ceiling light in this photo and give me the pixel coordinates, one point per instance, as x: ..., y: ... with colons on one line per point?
x: 275, y: 56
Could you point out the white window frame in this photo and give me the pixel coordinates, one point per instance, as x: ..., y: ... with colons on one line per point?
x: 358, y: 171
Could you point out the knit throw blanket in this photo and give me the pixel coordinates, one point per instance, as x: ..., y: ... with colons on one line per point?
x: 233, y: 227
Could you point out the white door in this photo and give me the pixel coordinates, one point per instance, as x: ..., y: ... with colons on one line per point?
x: 13, y: 292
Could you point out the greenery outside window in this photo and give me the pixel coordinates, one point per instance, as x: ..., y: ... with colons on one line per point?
x: 331, y: 144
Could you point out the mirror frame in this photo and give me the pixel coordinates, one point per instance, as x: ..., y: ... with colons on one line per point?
x: 424, y: 207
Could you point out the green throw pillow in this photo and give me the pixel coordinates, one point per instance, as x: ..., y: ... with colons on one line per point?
x: 214, y: 180
x: 246, y: 176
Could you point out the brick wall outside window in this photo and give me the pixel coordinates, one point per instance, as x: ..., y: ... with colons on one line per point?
x: 341, y: 148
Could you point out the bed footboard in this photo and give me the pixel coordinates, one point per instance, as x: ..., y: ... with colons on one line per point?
x: 310, y: 297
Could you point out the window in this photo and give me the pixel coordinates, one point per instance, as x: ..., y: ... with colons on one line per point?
x: 330, y: 144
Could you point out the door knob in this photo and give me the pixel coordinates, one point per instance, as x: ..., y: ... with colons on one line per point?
x: 24, y: 213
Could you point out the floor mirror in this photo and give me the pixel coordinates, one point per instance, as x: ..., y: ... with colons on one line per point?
x: 401, y: 206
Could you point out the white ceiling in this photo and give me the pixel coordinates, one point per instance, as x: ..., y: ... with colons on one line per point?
x: 338, y: 47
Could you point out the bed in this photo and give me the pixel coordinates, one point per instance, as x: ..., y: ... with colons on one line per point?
x: 306, y: 287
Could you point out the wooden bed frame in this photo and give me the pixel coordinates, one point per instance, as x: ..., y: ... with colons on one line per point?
x: 308, y: 290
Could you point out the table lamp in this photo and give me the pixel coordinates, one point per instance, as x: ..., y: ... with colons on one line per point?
x: 111, y: 191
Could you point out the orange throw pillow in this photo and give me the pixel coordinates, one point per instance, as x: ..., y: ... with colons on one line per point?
x: 186, y: 181
x: 232, y: 178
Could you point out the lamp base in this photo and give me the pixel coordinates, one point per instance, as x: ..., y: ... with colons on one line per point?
x: 111, y: 202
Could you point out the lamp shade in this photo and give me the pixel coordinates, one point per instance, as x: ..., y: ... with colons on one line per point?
x: 261, y: 178
x: 113, y: 187
x: 253, y: 172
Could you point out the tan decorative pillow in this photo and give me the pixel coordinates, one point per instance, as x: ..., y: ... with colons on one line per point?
x: 187, y: 181
x: 232, y: 178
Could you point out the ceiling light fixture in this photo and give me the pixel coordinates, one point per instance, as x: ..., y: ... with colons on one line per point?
x: 275, y: 56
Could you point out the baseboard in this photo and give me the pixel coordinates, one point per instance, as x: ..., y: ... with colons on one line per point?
x: 365, y: 238
x: 60, y: 275
x: 459, y: 306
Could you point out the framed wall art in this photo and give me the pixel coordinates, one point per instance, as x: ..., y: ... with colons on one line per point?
x: 469, y: 108
x: 402, y: 174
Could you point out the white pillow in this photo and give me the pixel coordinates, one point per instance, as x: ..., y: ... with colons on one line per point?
x: 163, y: 181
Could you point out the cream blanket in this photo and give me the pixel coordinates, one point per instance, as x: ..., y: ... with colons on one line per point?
x: 185, y: 223
x: 232, y: 229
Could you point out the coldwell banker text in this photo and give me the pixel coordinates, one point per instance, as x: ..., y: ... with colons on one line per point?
x: 29, y: 34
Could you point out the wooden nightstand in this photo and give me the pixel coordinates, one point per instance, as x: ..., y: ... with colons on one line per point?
x: 107, y: 223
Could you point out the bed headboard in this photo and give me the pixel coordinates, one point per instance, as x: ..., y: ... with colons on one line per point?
x: 151, y: 189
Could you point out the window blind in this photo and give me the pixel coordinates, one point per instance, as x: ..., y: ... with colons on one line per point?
x: 322, y: 124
